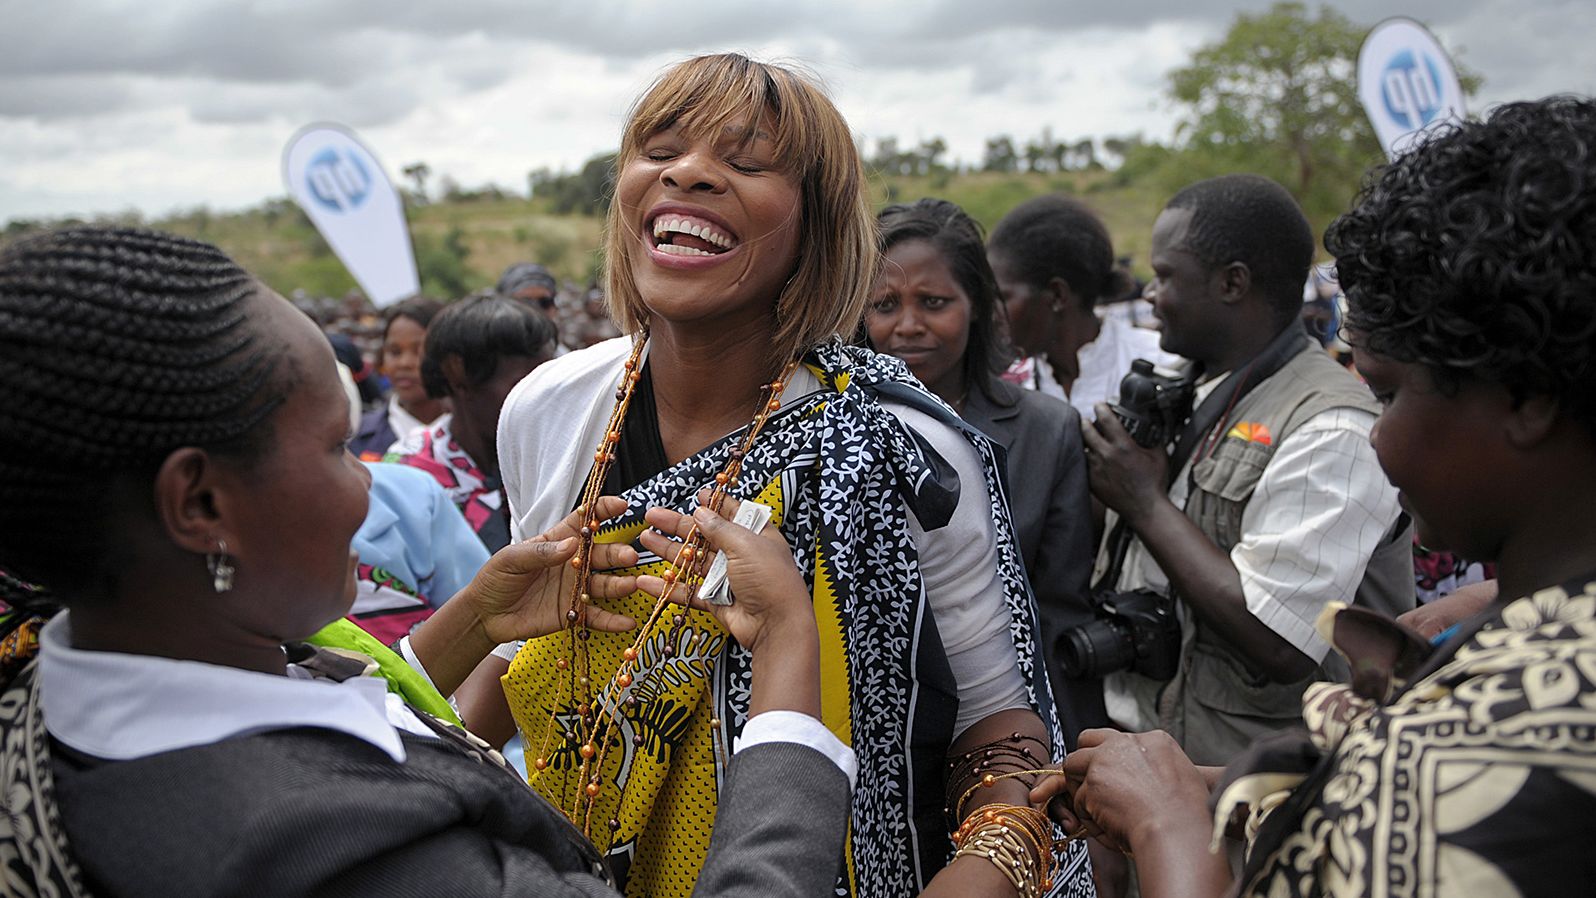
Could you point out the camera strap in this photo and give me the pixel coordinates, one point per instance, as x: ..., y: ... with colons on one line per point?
x: 1281, y: 350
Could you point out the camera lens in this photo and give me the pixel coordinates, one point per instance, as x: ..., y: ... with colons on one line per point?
x: 1100, y: 647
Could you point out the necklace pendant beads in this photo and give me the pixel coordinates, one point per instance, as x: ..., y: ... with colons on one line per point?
x: 600, y: 713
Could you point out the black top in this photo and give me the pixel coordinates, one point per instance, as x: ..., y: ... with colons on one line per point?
x: 640, y: 453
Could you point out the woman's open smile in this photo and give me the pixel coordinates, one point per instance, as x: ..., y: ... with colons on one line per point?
x: 688, y: 237
x: 701, y: 201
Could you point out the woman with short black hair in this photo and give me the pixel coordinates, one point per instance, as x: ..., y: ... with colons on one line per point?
x: 936, y: 306
x: 477, y: 349
x: 408, y: 408
x: 1459, y: 765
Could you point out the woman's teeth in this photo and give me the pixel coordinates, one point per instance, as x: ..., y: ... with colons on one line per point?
x: 672, y: 249
x: 666, y: 225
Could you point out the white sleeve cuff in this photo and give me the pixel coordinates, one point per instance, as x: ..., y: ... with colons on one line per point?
x: 508, y: 650
x: 409, y: 654
x: 801, y: 729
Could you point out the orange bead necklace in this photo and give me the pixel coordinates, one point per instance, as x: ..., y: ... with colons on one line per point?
x: 598, y: 711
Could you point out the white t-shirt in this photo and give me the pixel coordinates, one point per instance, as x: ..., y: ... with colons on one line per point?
x: 1105, y: 361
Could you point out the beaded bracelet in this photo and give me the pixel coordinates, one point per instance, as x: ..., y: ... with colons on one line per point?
x: 980, y: 766
x: 1002, y: 848
x: 989, y: 780
x: 1016, y: 839
x: 1013, y: 824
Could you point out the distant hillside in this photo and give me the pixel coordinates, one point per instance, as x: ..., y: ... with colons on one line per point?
x: 464, y: 244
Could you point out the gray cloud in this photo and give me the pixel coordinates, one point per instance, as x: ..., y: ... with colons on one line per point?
x: 65, y: 60
x: 61, y: 96
x: 91, y: 89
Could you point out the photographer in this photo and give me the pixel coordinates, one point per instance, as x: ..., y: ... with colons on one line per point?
x: 1270, y: 504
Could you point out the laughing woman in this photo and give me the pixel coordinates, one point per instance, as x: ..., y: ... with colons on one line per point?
x: 740, y: 251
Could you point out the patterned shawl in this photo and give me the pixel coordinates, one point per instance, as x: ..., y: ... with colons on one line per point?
x: 35, y: 858
x: 1467, y: 769
x: 477, y: 494
x: 841, y: 473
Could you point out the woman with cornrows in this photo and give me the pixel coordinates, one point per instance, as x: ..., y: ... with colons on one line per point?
x: 173, y: 732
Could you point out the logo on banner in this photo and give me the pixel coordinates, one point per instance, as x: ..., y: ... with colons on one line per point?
x: 1411, y: 89
x: 337, y: 181
x: 346, y: 194
x: 1406, y: 84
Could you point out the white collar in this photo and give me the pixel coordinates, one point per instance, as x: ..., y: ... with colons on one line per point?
x: 119, y: 707
x: 401, y: 422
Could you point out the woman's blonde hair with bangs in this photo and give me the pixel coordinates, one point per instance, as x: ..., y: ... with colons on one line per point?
x: 828, y: 291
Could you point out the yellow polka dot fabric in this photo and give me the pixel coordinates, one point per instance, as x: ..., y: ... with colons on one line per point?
x: 659, y: 765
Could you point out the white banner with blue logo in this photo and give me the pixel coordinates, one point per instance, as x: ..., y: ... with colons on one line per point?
x: 1407, y: 83
x: 348, y: 196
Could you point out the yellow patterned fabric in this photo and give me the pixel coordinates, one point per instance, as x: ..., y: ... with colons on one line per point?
x: 662, y: 792
x: 21, y: 644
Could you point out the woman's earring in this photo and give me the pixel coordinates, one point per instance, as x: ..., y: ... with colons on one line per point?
x: 221, y: 567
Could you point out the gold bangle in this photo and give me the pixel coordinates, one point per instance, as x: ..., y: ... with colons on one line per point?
x: 1005, y: 849
x: 1015, y: 838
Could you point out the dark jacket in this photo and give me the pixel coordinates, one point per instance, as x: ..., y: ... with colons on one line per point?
x: 374, y: 435
x: 312, y: 812
x: 1048, y: 498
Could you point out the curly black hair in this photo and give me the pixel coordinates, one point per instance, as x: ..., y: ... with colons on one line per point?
x: 1475, y: 254
x: 1057, y: 236
x: 117, y: 346
x: 958, y: 239
x: 1252, y: 220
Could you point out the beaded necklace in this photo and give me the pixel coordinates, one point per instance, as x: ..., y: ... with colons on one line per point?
x: 598, y: 712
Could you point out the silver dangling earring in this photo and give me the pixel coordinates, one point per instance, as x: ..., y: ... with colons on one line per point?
x: 221, y: 567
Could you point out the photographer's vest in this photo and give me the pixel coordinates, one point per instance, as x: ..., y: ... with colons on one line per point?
x: 1218, y: 703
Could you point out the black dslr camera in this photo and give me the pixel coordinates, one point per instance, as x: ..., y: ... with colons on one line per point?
x: 1135, y: 631
x: 1153, y: 407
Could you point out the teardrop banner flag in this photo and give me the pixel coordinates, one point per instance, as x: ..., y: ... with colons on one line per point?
x: 346, y: 193
x: 1407, y: 83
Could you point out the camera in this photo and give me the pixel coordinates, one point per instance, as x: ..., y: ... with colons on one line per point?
x: 1135, y: 631
x: 1152, y: 406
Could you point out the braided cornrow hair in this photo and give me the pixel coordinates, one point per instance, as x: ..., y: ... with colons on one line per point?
x: 117, y: 346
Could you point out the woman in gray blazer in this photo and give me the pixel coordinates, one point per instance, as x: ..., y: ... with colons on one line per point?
x: 175, y: 735
x: 935, y: 306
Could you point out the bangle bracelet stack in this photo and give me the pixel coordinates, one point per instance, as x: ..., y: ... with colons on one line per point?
x: 1015, y: 839
x: 985, y: 764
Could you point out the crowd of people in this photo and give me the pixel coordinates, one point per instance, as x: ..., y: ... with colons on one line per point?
x: 825, y: 550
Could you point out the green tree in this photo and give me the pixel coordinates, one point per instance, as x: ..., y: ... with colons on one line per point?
x: 931, y: 153
x: 1278, y: 95
x: 1000, y: 155
x: 418, y: 172
x: 442, y: 263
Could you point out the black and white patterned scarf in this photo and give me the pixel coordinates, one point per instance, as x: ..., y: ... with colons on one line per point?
x: 35, y: 859
x: 843, y: 473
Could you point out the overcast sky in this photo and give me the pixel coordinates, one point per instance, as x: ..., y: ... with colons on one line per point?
x: 154, y: 105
